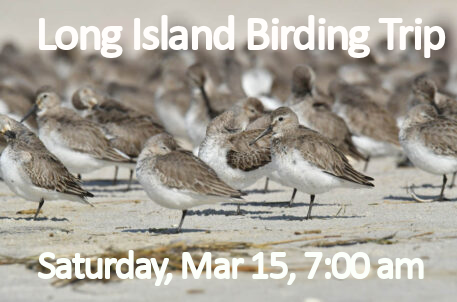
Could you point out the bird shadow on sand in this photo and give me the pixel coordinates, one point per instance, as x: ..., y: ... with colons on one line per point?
x: 163, y: 231
x: 409, y: 198
x: 108, y: 182
x: 211, y: 212
x: 302, y: 218
x: 279, y: 204
x: 261, y: 191
x: 111, y: 190
x: 31, y: 218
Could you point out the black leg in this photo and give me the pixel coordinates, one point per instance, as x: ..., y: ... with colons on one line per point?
x: 367, y: 160
x: 238, y: 209
x: 452, y: 180
x: 311, y: 202
x: 116, y: 170
x: 265, y: 189
x: 442, y: 188
x: 293, y: 197
x: 39, y: 208
x: 184, y: 212
x: 130, y: 180
x: 79, y: 176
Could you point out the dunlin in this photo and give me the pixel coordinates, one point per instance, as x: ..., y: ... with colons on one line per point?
x: 32, y: 172
x: 127, y: 129
x: 314, y: 112
x: 176, y: 179
x: 226, y: 149
x: 79, y: 143
x: 374, y: 130
x: 307, y: 160
x: 430, y: 142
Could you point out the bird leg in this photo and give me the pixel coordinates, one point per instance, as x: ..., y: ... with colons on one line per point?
x: 452, y: 180
x: 130, y: 180
x: 116, y: 170
x: 439, y: 198
x: 292, y: 198
x: 367, y: 160
x: 39, y: 208
x: 238, y: 209
x: 184, y: 212
x: 265, y: 189
x: 311, y: 202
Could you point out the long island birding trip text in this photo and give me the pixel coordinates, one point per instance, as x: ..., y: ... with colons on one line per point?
x: 261, y: 34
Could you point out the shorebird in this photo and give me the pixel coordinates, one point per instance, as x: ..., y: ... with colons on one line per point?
x: 79, y: 143
x: 176, y: 179
x: 314, y: 111
x: 374, y: 130
x: 425, y: 91
x: 32, y: 172
x: 307, y: 160
x: 226, y: 149
x: 127, y: 129
x: 208, y: 101
x: 430, y: 142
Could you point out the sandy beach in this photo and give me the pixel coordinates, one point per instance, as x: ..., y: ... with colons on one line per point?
x: 129, y: 220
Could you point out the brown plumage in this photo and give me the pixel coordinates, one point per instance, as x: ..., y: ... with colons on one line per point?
x: 42, y: 168
x: 80, y: 134
x: 319, y: 151
x: 365, y: 117
x: 246, y: 157
x: 182, y: 170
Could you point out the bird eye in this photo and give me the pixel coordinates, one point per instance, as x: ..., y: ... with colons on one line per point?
x: 280, y: 119
x: 45, y: 96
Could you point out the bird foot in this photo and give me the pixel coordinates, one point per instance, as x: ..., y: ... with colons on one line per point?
x: 413, y: 194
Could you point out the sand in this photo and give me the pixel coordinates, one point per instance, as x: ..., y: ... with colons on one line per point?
x: 129, y: 220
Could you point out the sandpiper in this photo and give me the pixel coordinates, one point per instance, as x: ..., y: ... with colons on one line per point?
x: 430, y: 142
x: 176, y: 179
x: 314, y: 112
x: 79, y: 143
x: 307, y: 160
x: 226, y: 149
x: 374, y: 130
x: 32, y: 172
x: 127, y: 129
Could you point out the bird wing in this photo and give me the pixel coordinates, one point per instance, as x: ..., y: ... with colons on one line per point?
x: 320, y: 152
x: 85, y: 136
x: 440, y: 135
x: 182, y: 170
x: 247, y: 157
x: 47, y: 171
x: 365, y: 117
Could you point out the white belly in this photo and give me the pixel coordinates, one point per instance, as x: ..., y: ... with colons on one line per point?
x: 172, y: 198
x: 76, y: 162
x: 374, y: 148
x: 17, y: 180
x: 215, y: 157
x: 295, y: 172
x: 426, y: 160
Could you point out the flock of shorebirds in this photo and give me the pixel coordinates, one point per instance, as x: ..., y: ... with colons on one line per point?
x: 198, y: 127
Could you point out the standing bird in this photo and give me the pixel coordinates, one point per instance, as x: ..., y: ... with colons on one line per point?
x: 127, y: 129
x: 32, y: 172
x: 226, y: 149
x: 430, y: 142
x: 79, y: 143
x: 374, y: 130
x: 307, y: 160
x: 176, y: 179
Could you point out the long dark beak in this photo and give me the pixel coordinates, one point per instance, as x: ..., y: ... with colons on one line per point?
x: 31, y: 111
x: 265, y: 132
